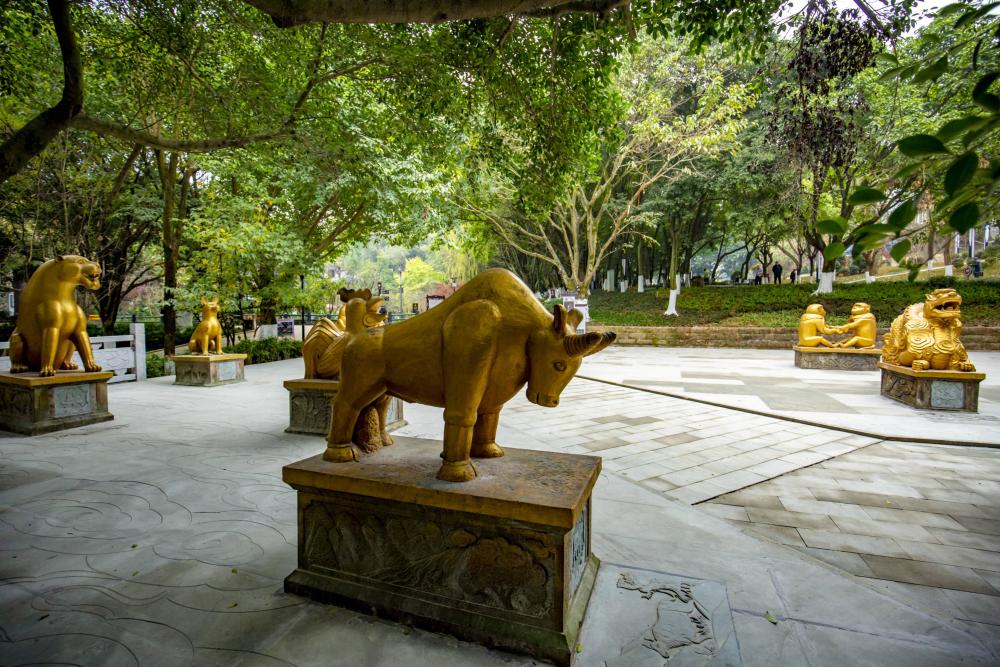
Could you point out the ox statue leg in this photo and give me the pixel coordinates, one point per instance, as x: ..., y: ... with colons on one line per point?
x: 484, y: 436
x: 382, y: 407
x: 347, y: 406
x: 470, y: 346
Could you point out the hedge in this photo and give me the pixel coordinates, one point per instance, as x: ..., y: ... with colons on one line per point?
x: 781, y: 305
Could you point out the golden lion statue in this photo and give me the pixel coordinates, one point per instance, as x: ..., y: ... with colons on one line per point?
x: 208, y: 334
x: 925, y: 336
x: 50, y: 324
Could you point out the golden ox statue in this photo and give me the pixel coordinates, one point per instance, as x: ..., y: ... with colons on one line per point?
x: 469, y: 355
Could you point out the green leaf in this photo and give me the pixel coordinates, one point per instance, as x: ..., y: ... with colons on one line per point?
x: 865, y: 195
x: 989, y: 101
x: 899, y: 250
x: 890, y: 74
x: 770, y: 617
x: 902, y: 215
x: 953, y: 8
x: 921, y: 144
x: 964, y: 218
x: 974, y: 14
x: 933, y: 71
x: 836, y: 226
x: 953, y: 128
x: 960, y: 173
x: 984, y: 84
x: 908, y: 170
x: 833, y: 251
x: 887, y: 57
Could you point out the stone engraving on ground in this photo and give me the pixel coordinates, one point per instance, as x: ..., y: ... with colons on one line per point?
x: 457, y: 563
x: 946, y: 394
x: 643, y: 618
x: 71, y: 400
x: 228, y: 370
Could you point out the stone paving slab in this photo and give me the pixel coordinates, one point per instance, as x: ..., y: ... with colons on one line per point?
x: 767, y: 381
x: 895, y: 529
x: 162, y: 538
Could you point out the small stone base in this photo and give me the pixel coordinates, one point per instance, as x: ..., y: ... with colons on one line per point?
x: 932, y: 390
x: 208, y: 370
x: 837, y: 358
x: 34, y: 405
x: 310, y: 404
x: 504, y: 559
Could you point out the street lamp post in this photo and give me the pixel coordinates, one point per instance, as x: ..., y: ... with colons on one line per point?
x: 302, y: 307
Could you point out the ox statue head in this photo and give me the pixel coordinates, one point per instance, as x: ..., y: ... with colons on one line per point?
x: 555, y: 354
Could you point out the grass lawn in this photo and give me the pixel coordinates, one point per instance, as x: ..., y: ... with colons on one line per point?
x: 781, y: 305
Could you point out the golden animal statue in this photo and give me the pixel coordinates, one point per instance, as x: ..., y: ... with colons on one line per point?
x: 50, y: 324
x: 323, y: 346
x: 469, y: 355
x: 926, y: 335
x: 861, y: 325
x: 812, y: 325
x: 207, y: 336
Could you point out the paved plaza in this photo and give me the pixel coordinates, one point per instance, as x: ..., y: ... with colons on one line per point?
x: 163, y: 537
x: 767, y: 382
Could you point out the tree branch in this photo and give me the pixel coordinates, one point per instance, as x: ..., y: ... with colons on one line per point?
x: 288, y: 13
x: 108, y: 129
x: 32, y: 139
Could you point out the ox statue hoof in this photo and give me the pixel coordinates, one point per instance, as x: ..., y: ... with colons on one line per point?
x: 386, y: 439
x: 457, y: 471
x: 486, y: 450
x: 342, y: 453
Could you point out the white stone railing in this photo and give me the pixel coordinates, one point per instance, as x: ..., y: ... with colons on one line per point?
x: 125, y: 355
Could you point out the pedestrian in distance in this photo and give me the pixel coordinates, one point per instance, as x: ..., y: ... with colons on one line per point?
x: 776, y: 270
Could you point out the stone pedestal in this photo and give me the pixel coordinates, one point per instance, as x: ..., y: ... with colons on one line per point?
x: 837, y: 358
x: 208, y: 370
x: 932, y: 390
x: 503, y: 560
x: 33, y: 405
x: 310, y: 405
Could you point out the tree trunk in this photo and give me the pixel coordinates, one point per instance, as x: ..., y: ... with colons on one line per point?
x: 168, y: 177
x: 674, y: 268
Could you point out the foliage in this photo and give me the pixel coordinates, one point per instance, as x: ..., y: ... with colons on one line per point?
x: 155, y: 365
x: 266, y: 350
x: 781, y: 305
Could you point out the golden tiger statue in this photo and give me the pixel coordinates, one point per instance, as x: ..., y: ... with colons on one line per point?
x: 926, y: 335
x: 50, y: 324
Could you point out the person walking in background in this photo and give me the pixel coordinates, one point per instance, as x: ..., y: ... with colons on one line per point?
x: 776, y: 270
x: 758, y: 276
x: 792, y: 276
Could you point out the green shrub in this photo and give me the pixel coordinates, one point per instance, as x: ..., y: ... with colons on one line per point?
x: 154, y: 365
x: 741, y: 304
x: 267, y: 349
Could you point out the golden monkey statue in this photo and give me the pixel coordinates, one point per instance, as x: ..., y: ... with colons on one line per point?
x: 812, y: 324
x: 925, y: 336
x: 50, y: 324
x: 862, y: 325
x: 207, y: 335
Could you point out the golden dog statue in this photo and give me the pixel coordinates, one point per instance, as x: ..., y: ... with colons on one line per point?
x: 50, y: 324
x: 469, y: 355
x: 926, y: 335
x: 208, y: 334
